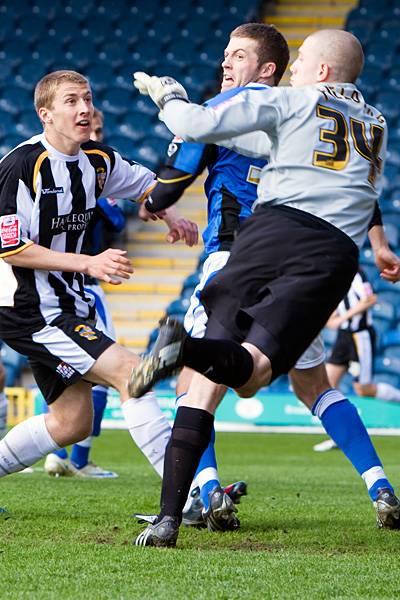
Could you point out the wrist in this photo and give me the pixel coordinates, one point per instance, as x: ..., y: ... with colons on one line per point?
x: 83, y: 264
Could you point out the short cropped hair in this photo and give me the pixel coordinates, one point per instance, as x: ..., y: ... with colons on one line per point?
x: 46, y: 88
x: 272, y: 46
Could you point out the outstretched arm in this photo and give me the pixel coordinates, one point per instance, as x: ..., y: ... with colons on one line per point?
x: 105, y: 266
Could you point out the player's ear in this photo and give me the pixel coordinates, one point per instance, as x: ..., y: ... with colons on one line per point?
x: 45, y: 115
x: 323, y: 72
x: 267, y: 70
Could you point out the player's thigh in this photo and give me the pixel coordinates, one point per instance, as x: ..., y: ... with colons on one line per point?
x: 113, y: 368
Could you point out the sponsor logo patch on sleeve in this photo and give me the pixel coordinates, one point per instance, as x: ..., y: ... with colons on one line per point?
x: 10, y: 231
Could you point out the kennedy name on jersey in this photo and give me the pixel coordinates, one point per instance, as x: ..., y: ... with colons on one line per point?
x: 71, y: 222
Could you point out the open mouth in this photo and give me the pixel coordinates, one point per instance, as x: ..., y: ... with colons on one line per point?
x: 83, y: 124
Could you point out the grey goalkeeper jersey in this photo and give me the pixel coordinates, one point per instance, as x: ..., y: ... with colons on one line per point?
x: 326, y: 147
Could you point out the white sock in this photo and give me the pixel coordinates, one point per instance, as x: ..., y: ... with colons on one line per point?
x: 25, y: 444
x: 3, y: 413
x: 387, y: 392
x: 148, y: 427
x: 86, y: 443
x: 373, y: 475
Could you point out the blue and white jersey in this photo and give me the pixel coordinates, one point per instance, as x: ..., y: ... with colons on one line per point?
x: 231, y: 185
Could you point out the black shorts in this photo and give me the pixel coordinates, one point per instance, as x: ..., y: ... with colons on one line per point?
x: 287, y: 272
x: 61, y: 353
x: 359, y: 347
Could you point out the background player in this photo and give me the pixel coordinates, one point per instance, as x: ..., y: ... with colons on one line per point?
x: 355, y: 346
x: 303, y: 199
x: 256, y: 56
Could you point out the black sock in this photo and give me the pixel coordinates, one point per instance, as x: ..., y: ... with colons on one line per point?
x: 190, y: 436
x: 221, y: 361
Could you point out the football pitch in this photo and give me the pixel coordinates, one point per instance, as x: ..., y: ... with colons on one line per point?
x: 308, y: 529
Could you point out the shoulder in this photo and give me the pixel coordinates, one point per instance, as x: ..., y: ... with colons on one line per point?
x: 24, y: 160
x: 97, y: 150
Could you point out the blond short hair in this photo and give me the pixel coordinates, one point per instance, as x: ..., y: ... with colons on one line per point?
x: 46, y: 88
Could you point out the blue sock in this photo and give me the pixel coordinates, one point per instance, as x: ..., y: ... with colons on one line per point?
x: 207, y: 471
x: 99, y: 396
x: 62, y: 453
x: 80, y: 453
x: 342, y: 422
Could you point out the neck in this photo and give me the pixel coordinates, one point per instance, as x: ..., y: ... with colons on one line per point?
x: 62, y: 144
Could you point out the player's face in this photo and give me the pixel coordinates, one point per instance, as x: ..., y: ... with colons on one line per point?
x: 97, y: 134
x: 240, y: 65
x: 68, y: 123
x: 307, y: 65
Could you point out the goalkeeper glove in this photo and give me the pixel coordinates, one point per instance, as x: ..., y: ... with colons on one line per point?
x: 160, y: 89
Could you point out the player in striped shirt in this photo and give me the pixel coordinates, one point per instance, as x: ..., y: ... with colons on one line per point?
x: 49, y: 186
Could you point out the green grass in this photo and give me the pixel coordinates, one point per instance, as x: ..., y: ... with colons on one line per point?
x: 308, y: 530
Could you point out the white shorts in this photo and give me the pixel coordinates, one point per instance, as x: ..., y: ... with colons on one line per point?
x: 195, y: 321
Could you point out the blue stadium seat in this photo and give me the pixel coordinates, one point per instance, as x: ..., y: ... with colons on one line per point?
x: 47, y: 51
x: 383, y: 377
x: 391, y: 338
x: 77, y: 7
x: 130, y: 29
x: 392, y: 232
x: 162, y: 31
x: 211, y: 53
x: 28, y: 124
x: 135, y: 124
x: 116, y: 100
x: 383, y: 310
x: 392, y: 352
x: 14, y: 100
x: 122, y: 144
x: 48, y: 9
x: 389, y: 295
x: 151, y: 152
x: 382, y: 326
x: 210, y: 9
x: 143, y: 105
x: 81, y: 53
x: 370, y: 271
x: 197, y: 30
x: 112, y: 53
x: 31, y: 28
x: 384, y: 364
x: 147, y: 53
x: 28, y: 75
x: 14, y: 52
x: 63, y: 29
x: 97, y: 29
x: 6, y: 72
x: 135, y: 134
x: 9, y: 142
x: 100, y: 76
x: 160, y: 130
x: 7, y: 124
x: 180, y: 52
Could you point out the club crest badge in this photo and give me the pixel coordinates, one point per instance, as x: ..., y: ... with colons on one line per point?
x: 86, y: 332
x: 101, y: 177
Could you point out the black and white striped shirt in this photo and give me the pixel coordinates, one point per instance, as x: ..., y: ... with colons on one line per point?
x: 48, y: 198
x: 359, y: 289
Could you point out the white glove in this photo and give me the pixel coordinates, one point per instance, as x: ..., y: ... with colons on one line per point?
x: 160, y: 89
